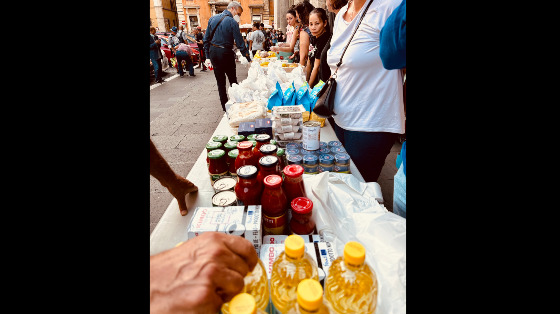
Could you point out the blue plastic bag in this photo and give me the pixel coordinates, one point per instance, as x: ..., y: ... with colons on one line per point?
x: 313, y: 94
x: 290, y: 96
x: 303, y: 97
x: 276, y: 98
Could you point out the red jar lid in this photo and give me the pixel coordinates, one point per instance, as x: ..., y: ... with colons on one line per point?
x: 272, y: 180
x: 293, y: 170
x: 244, y: 145
x: 302, y: 205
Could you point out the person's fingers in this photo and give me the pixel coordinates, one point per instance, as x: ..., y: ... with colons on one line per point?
x: 228, y: 283
x: 244, y: 248
x: 182, y: 206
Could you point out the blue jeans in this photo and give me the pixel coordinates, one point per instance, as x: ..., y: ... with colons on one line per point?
x: 183, y: 55
x: 368, y: 150
x: 157, y: 68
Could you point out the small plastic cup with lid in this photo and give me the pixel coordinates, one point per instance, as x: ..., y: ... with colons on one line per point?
x: 294, y: 159
x: 332, y: 144
x: 342, y: 159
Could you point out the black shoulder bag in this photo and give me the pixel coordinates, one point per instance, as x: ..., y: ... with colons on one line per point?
x: 324, y: 107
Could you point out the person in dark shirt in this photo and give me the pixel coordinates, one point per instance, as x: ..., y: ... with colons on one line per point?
x: 333, y: 6
x: 221, y: 32
x: 199, y: 40
x: 321, y: 36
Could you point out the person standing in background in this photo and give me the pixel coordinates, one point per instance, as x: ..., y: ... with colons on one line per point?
x: 222, y: 31
x: 202, y: 57
x: 256, y: 40
x: 333, y: 6
x: 368, y: 104
x: 155, y: 55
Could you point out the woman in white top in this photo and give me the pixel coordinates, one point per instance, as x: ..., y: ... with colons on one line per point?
x: 369, y: 112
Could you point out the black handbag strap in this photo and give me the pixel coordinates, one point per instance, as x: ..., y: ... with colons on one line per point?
x: 355, y: 30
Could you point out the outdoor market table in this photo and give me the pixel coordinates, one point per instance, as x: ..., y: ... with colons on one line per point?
x: 172, y: 227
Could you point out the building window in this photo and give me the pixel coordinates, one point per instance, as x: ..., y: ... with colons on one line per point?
x: 193, y: 21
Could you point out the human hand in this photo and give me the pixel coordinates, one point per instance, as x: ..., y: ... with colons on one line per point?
x: 201, y: 274
x: 274, y: 49
x: 179, y: 188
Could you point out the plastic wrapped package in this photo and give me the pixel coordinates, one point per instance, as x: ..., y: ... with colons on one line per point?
x: 345, y: 209
x: 246, y: 112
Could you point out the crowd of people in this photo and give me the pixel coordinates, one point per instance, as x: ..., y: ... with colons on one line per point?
x: 208, y: 270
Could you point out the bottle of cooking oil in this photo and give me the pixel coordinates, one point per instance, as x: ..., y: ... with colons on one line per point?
x: 290, y: 267
x: 244, y: 303
x: 309, y: 299
x: 351, y: 286
x: 256, y: 284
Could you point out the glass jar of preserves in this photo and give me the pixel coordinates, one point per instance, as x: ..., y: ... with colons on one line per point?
x: 251, y: 137
x: 301, y: 221
x: 217, y: 166
x: 248, y: 189
x: 210, y: 146
x: 261, y: 140
x: 232, y: 155
x: 228, y: 146
x: 268, y: 149
x: 281, y: 159
x: 237, y: 138
x: 220, y: 139
x: 245, y: 156
x: 274, y: 206
x: 293, y: 181
x: 268, y: 165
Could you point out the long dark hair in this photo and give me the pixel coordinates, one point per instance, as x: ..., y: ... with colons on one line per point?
x: 322, y: 13
x: 303, y: 9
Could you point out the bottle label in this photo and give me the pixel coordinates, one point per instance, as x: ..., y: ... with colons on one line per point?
x: 274, y: 225
x: 216, y: 176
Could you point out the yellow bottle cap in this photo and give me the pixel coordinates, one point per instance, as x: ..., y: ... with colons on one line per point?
x: 309, y: 294
x: 243, y: 303
x: 294, y: 246
x: 354, y: 253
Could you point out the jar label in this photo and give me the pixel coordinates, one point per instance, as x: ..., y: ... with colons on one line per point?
x: 274, y: 222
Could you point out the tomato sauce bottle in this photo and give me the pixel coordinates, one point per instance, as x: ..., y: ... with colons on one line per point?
x: 293, y: 181
x: 245, y: 155
x: 268, y: 165
x: 274, y: 206
x: 261, y: 139
x: 301, y: 221
x: 248, y: 189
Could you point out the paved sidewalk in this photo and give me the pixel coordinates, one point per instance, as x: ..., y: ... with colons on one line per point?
x: 184, y: 112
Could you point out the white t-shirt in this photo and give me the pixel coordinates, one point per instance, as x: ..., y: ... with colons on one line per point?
x: 258, y: 39
x: 368, y: 97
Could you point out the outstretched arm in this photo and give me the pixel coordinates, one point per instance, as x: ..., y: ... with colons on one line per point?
x: 175, y: 184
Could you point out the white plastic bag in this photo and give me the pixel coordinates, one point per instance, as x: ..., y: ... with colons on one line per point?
x: 346, y: 209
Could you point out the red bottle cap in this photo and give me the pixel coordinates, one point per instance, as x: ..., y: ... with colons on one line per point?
x: 244, y: 145
x: 293, y: 170
x: 302, y: 205
x: 272, y: 180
